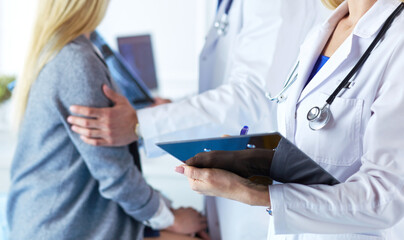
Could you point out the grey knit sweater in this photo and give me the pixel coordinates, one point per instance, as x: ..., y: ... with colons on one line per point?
x: 61, y: 187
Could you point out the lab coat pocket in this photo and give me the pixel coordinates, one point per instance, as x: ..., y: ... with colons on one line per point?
x: 340, y: 142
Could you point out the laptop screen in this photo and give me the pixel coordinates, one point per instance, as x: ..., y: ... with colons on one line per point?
x: 127, y: 79
x: 138, y: 53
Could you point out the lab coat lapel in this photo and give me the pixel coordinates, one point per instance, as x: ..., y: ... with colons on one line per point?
x: 211, y: 41
x: 309, y: 53
x: 307, y: 58
x: 333, y: 63
x: 328, y: 69
x: 367, y: 27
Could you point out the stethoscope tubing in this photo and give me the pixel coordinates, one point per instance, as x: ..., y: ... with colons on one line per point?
x: 289, y: 82
x: 228, y: 7
x: 319, y: 117
x: 366, y: 55
x: 354, y: 70
x: 222, y: 24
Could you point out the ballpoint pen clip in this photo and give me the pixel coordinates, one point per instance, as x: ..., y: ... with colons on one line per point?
x: 244, y: 131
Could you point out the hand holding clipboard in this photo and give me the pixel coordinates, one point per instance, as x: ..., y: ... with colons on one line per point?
x: 252, y: 155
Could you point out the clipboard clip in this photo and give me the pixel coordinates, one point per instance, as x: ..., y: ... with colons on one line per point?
x: 249, y: 146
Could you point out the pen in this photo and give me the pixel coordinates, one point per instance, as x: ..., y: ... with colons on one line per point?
x: 244, y: 131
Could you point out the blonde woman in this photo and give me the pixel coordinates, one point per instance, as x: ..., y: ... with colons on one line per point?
x: 362, y: 145
x: 61, y: 187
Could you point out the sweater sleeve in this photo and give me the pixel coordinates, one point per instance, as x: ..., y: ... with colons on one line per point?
x: 79, y: 79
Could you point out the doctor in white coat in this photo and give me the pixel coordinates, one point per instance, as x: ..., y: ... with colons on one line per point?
x: 257, y: 51
x: 362, y: 145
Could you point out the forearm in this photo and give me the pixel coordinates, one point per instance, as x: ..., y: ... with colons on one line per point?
x: 242, y: 103
x: 359, y: 203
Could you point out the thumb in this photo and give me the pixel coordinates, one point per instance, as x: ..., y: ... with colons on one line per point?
x: 111, y: 94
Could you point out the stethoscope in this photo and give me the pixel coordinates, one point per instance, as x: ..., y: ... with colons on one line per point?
x: 222, y: 25
x: 319, y: 117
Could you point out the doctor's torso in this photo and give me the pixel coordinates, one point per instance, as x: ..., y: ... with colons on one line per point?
x: 343, y: 145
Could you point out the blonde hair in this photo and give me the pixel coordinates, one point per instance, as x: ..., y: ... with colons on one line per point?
x: 332, y: 4
x: 58, y: 22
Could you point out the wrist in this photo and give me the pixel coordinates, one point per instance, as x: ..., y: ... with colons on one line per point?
x: 255, y: 194
x: 136, y: 128
x: 162, y: 219
x: 173, y: 227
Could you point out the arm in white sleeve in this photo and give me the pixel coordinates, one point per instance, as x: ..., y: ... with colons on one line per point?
x: 264, y: 51
x: 163, y: 218
x: 373, y: 198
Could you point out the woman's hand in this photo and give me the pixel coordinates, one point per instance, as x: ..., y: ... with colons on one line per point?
x: 188, y: 221
x: 220, y: 183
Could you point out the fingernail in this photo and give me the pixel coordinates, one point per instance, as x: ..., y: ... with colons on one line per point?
x: 69, y: 119
x: 72, y: 108
x: 180, y: 170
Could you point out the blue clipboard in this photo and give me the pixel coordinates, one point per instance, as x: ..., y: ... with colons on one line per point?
x: 184, y: 150
x: 293, y: 166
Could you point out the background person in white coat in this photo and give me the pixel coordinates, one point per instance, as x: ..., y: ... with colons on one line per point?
x: 262, y: 42
x: 362, y: 146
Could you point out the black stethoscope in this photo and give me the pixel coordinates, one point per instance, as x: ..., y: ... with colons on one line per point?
x: 222, y: 25
x: 319, y: 117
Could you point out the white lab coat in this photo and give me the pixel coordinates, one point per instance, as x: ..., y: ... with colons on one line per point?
x: 362, y: 146
x: 261, y: 58
x: 269, y: 34
x: 215, y: 59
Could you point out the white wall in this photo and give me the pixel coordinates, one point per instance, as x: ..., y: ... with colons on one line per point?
x: 178, y: 28
x: 17, y: 18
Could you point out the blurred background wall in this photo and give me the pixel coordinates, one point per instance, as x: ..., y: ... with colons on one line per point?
x: 178, y: 29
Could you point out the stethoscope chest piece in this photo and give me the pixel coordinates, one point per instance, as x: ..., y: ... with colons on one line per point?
x: 319, y: 117
x: 222, y: 25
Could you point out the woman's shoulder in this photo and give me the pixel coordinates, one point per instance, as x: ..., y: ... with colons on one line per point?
x: 77, y: 56
x: 76, y: 60
x: 76, y: 71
